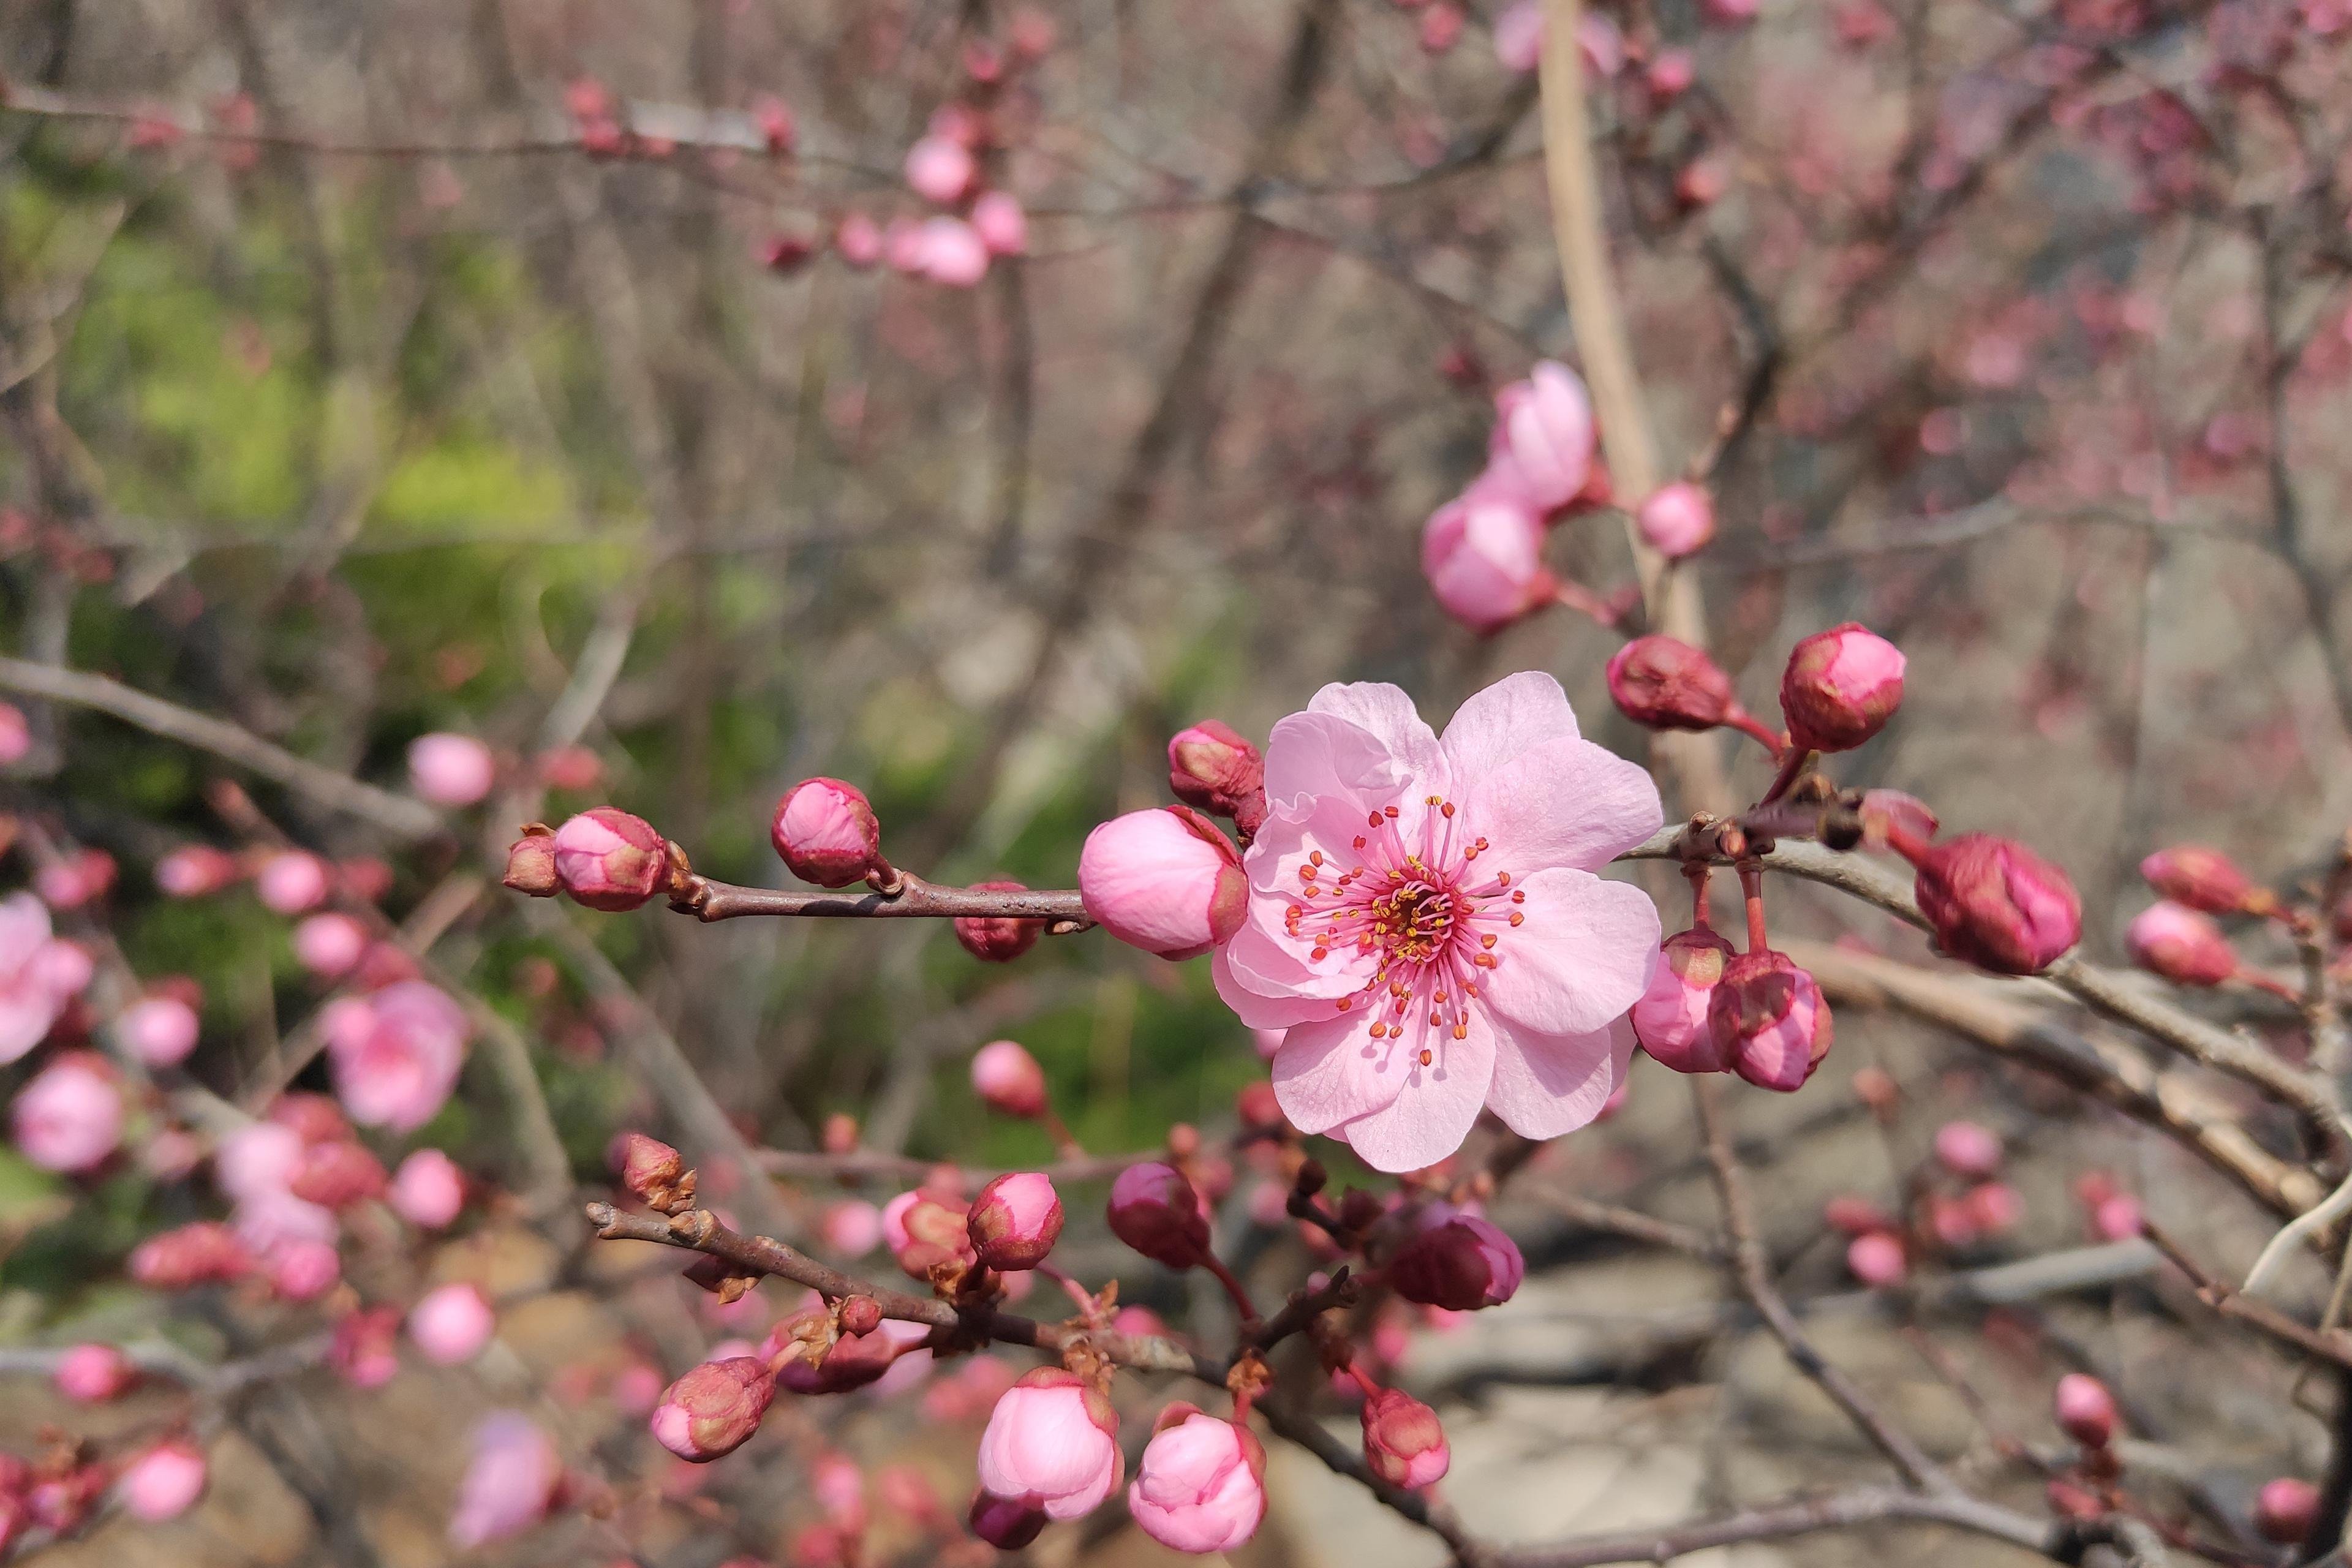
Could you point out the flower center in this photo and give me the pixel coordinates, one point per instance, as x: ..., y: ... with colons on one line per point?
x: 1425, y: 912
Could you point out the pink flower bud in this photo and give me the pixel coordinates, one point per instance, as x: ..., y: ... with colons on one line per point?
x: 1769, y: 1021
x: 1851, y: 1215
x: 649, y: 1168
x: 610, y: 860
x: 1543, y: 440
x: 1155, y: 1211
x: 1671, y: 74
x: 1996, y: 904
x: 292, y: 881
x: 1001, y: 224
x: 857, y: 241
x: 452, y: 1324
x: 204, y: 1253
x: 194, y: 870
x: 1670, y: 1019
x: 2183, y: 946
x: 1441, y: 27
x: 2085, y: 1410
x: 160, y: 1031
x: 997, y: 939
x: 1994, y: 1208
x: 450, y: 770
x: 83, y: 877
x: 163, y: 1483
x: 1967, y: 1148
x: 69, y: 1117
x: 1015, y: 1221
x: 92, y: 1375
x: 1052, y: 1444
x: 1212, y: 767
x: 1483, y: 555
x: 1875, y: 1257
x: 1841, y: 688
x: 773, y: 116
x: 1677, y: 520
x: 852, y: 1228
x: 925, y: 1234
x: 337, y: 1175
x: 1200, y: 1485
x: 1890, y: 818
x: 510, y: 1483
x: 1403, y: 1443
x: 1006, y: 1525
x: 713, y: 1409
x: 396, y: 1054
x: 1519, y: 36
x: 952, y: 252
x: 2118, y: 1217
x: 2204, y: 879
x: 825, y: 833
x: 427, y: 1189
x: 361, y: 1347
x: 939, y: 169
x: 1461, y: 1264
x: 1660, y: 683
x: 1008, y: 1078
x: 2285, y: 1509
x: 1165, y: 880
x: 16, y: 736
x: 304, y: 1270
x: 853, y: 1361
x: 330, y: 945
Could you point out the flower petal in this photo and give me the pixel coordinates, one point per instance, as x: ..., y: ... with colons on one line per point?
x: 1512, y: 716
x: 1261, y: 1002
x: 1438, y: 1106
x: 1385, y: 713
x: 1333, y: 1070
x: 1583, y: 956
x: 1546, y: 1085
x: 1316, y: 754
x: 1564, y: 802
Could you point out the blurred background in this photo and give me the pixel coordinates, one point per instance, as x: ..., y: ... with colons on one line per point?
x: 497, y: 367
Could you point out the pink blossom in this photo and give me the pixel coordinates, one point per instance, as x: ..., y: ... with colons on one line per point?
x: 79, y: 879
x: 1461, y: 1263
x: 292, y: 881
x: 1483, y: 555
x: 715, y: 1407
x: 1394, y: 866
x: 610, y: 860
x: 361, y: 1347
x: 1544, y: 439
x: 1212, y: 767
x: 1662, y: 683
x: 329, y: 945
x: 825, y: 832
x: 450, y: 770
x: 1875, y: 1257
x: 1200, y: 1485
x: 257, y: 1159
x: 839, y: 1487
x: 1769, y: 1021
x: 270, y: 1221
x: 2118, y: 1217
x: 451, y: 1324
x: 163, y: 1483
x: 69, y: 1117
x: 902, y: 244
x: 1167, y: 880
x: 2285, y: 1508
x: 1006, y: 1525
x: 396, y: 1054
x: 92, y: 1375
x: 1052, y: 1444
x: 1519, y: 37
x: 193, y: 871
x: 1008, y: 1078
x: 510, y: 1483
x: 1602, y: 43
x: 952, y: 252
x: 1671, y: 1019
x: 1676, y: 520
x: 1671, y: 73
x: 16, y: 736
x: 1015, y: 1220
x: 1840, y: 687
x: 1403, y: 1443
x: 997, y: 939
x: 428, y: 1189
x: 1156, y: 1211
x: 2204, y: 879
x: 1003, y: 226
x: 1995, y: 904
x: 1968, y: 1148
x: 304, y: 1270
x: 2085, y: 1410
x: 858, y: 239
x: 852, y: 1227
x: 159, y: 1030
x: 38, y: 974
x: 2180, y: 944
x: 939, y: 169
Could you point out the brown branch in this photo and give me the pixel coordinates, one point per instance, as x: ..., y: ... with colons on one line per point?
x: 710, y: 901
x: 397, y: 815
x: 1778, y: 1521
x: 2330, y: 1345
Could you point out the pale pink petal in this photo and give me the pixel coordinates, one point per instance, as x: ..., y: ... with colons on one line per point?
x: 1565, y: 802
x: 1334, y: 1071
x: 1278, y: 963
x: 1079, y: 1504
x: 1583, y: 956
x: 1440, y: 1103
x: 1387, y: 713
x: 27, y: 1014
x: 1321, y: 755
x: 1546, y: 1085
x: 1511, y: 716
x: 1261, y: 1002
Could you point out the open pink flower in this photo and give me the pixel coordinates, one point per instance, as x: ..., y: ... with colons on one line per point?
x: 1424, y: 921
x: 38, y: 974
x: 510, y: 1483
x: 396, y: 1054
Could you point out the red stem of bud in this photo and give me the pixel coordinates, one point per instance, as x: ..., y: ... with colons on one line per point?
x: 1751, y: 885
x: 1233, y: 1288
x: 1747, y: 723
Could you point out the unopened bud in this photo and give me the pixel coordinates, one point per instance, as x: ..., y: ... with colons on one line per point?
x: 2183, y: 946
x: 2285, y: 1509
x: 1008, y: 1079
x: 1670, y: 1019
x: 1211, y: 766
x: 1769, y: 1021
x: 1968, y: 1148
x: 713, y: 1409
x: 1876, y: 1259
x: 997, y: 939
x: 1155, y: 1211
x: 1840, y: 687
x: 1676, y: 520
x: 925, y: 1234
x: 1166, y: 879
x: 649, y: 1168
x: 531, y: 864
x: 1995, y: 904
x: 826, y: 833
x: 2205, y: 880
x: 335, y: 1175
x: 1404, y: 1444
x: 610, y: 860
x: 1660, y: 683
x: 1461, y: 1264
x: 1015, y: 1221
x: 860, y: 1315
x: 202, y: 1253
x: 1006, y: 1523
x: 2085, y: 1410
x: 1889, y: 817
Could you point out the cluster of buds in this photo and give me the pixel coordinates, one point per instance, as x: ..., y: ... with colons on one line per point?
x: 1213, y: 768
x: 1837, y: 689
x: 2177, y: 937
x: 1709, y: 1008
x: 1166, y: 878
x: 1457, y: 1262
x: 1971, y: 1204
x: 603, y: 859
